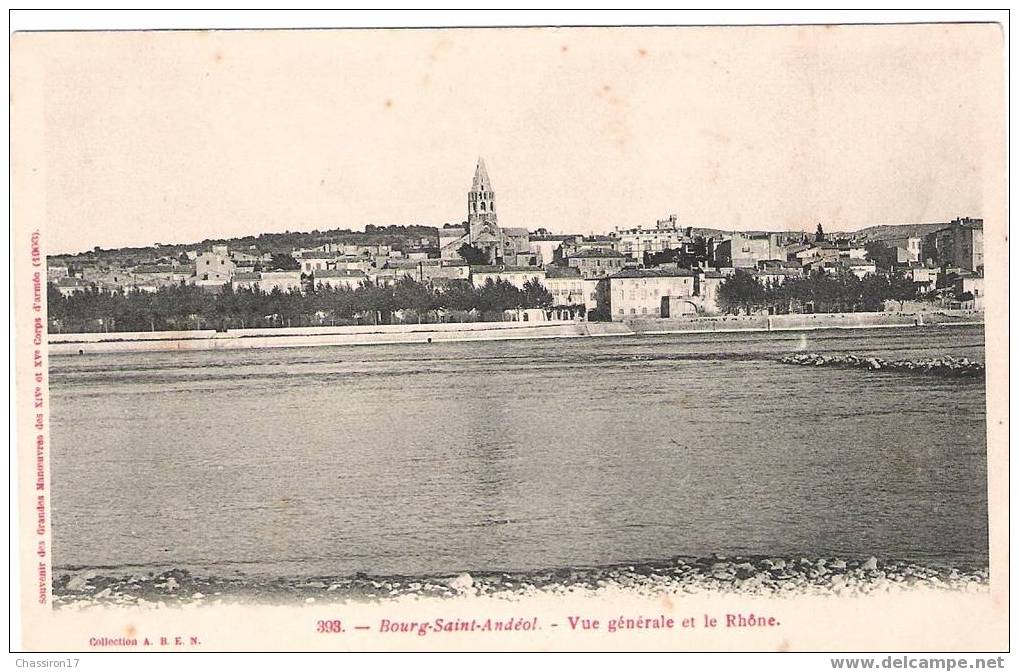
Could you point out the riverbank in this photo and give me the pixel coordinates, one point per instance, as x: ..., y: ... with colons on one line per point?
x: 803, y: 322
x: 234, y: 339
x: 244, y: 339
x: 741, y: 575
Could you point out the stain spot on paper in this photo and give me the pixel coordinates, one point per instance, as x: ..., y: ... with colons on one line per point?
x: 441, y: 46
x: 784, y: 645
x: 722, y: 138
x: 617, y: 120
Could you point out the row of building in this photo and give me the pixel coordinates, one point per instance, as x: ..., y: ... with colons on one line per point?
x: 642, y: 271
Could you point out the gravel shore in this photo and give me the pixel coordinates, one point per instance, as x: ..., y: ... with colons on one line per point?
x: 942, y: 366
x: 756, y: 575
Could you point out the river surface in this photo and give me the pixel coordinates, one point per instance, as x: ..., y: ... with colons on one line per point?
x: 516, y: 455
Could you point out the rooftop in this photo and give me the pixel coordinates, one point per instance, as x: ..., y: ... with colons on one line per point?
x: 164, y: 268
x: 560, y: 272
x: 507, y: 269
x: 70, y: 282
x: 550, y: 238
x: 652, y: 273
x: 599, y: 253
x: 339, y: 273
x: 788, y: 272
x: 411, y: 263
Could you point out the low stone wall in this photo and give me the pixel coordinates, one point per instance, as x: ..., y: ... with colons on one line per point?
x: 436, y: 327
x: 841, y: 321
x: 801, y: 322
x: 80, y: 344
x: 73, y: 344
x: 119, y: 336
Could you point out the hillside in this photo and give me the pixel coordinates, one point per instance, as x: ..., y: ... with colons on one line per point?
x: 401, y: 238
x: 887, y: 231
x: 397, y: 236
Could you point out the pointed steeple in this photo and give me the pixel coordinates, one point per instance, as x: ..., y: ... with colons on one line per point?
x: 480, y: 199
x: 481, y: 181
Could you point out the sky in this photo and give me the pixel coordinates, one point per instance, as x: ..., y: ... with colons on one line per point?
x: 173, y: 137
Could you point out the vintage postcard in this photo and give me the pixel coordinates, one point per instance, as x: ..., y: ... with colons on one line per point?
x: 605, y: 338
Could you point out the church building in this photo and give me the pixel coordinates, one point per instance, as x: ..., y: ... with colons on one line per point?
x: 502, y: 246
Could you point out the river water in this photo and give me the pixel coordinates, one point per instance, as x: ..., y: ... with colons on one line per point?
x: 516, y: 455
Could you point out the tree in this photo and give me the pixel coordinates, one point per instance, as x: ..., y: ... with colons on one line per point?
x: 459, y: 295
x: 881, y: 254
x: 902, y: 289
x: 819, y: 236
x: 376, y: 300
x: 411, y: 295
x: 499, y: 295
x: 56, y: 304
x: 741, y: 290
x: 472, y: 255
x: 285, y: 262
x: 536, y: 295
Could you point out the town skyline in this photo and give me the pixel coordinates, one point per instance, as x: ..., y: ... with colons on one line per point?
x: 215, y: 135
x: 672, y: 219
x: 807, y: 230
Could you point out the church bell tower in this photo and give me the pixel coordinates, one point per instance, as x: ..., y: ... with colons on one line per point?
x: 480, y: 200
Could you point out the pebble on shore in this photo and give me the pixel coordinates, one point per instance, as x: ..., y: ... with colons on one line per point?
x: 940, y: 366
x: 751, y: 575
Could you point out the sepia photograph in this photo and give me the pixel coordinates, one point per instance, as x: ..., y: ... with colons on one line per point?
x: 424, y: 332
